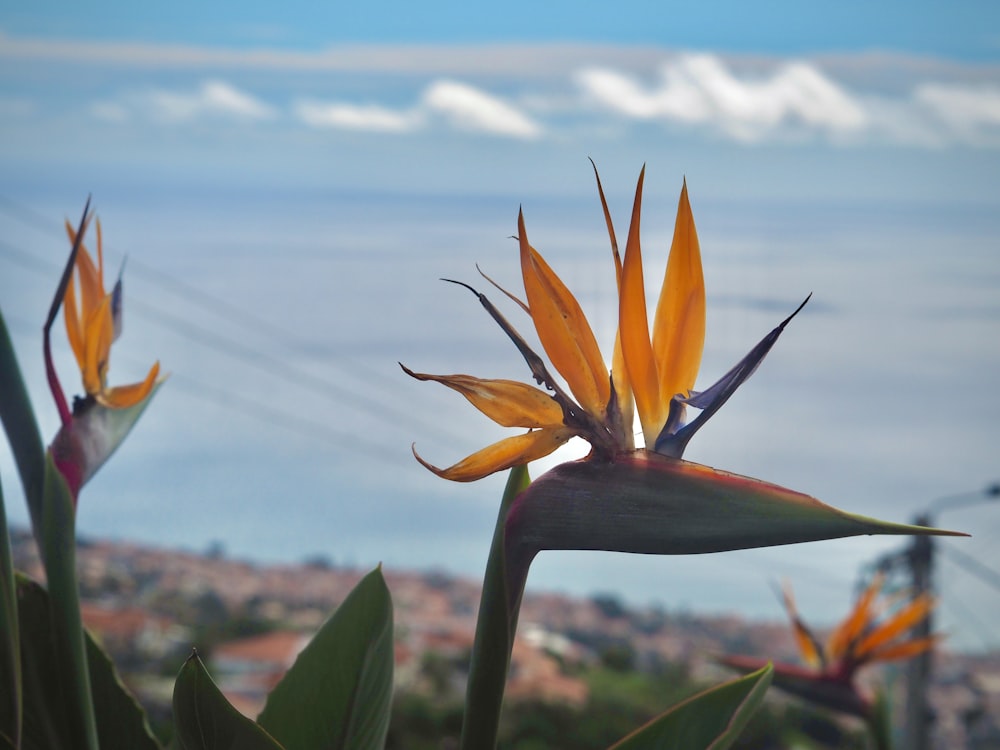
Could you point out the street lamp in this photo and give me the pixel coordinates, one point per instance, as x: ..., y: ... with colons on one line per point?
x: 920, y: 558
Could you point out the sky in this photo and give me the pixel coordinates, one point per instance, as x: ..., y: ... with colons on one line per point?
x: 289, y: 185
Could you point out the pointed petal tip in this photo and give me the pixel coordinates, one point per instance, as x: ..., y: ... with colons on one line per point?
x: 429, y: 466
x: 891, y: 528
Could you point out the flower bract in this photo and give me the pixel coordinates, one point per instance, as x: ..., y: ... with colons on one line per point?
x: 103, y: 416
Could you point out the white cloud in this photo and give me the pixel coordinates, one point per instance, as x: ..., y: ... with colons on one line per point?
x: 472, y: 109
x: 212, y: 99
x: 972, y: 113
x: 748, y: 100
x: 370, y: 117
x: 458, y: 104
x: 701, y: 89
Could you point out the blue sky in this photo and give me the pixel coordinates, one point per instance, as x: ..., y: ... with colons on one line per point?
x: 894, y: 99
x: 964, y: 30
x: 319, y: 168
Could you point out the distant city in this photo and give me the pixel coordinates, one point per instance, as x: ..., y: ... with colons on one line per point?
x: 149, y: 607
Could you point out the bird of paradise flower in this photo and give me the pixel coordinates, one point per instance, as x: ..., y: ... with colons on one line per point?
x: 876, y: 630
x: 620, y: 497
x: 103, y: 416
x: 654, y: 374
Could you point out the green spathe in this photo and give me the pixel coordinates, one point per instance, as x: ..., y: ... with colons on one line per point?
x: 648, y: 503
x: 82, y: 446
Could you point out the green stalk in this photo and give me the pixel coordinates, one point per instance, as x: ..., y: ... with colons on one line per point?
x: 53, y: 521
x: 11, y: 715
x: 494, y: 634
x: 22, y: 429
x: 59, y: 553
x: 880, y: 722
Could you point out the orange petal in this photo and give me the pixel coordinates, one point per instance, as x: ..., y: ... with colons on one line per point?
x: 611, y: 227
x: 904, y: 650
x: 506, y: 402
x: 91, y: 278
x: 619, y: 374
x: 679, y: 327
x: 100, y: 252
x: 98, y: 334
x: 91, y: 283
x: 74, y: 323
x: 807, y: 642
x: 124, y: 396
x: 512, y: 451
x: 633, y: 329
x: 847, y: 633
x: 914, y: 612
x: 563, y: 329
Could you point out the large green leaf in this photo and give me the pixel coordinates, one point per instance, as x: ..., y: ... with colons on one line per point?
x: 711, y: 720
x: 58, y: 550
x: 205, y: 720
x: 121, y: 722
x: 21, y: 428
x: 10, y: 648
x: 338, y: 693
x: 498, y: 610
x: 45, y: 720
x: 53, y: 521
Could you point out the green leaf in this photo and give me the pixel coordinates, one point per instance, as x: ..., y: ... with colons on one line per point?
x: 21, y: 428
x: 205, y: 720
x: 495, y: 626
x: 338, y: 693
x: 58, y: 551
x: 10, y: 647
x: 121, y: 722
x: 711, y: 720
x: 45, y: 711
x: 53, y: 522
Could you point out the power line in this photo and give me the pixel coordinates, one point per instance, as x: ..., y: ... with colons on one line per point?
x: 971, y: 565
x: 971, y: 620
x: 253, y: 357
x: 271, y: 416
x: 220, y: 307
x: 255, y: 409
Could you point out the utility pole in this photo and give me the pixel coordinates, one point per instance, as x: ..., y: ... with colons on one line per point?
x: 919, y: 716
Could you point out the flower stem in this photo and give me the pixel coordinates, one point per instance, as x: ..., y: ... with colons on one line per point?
x: 494, y: 635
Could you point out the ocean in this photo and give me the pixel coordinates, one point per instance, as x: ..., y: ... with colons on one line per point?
x: 285, y: 427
